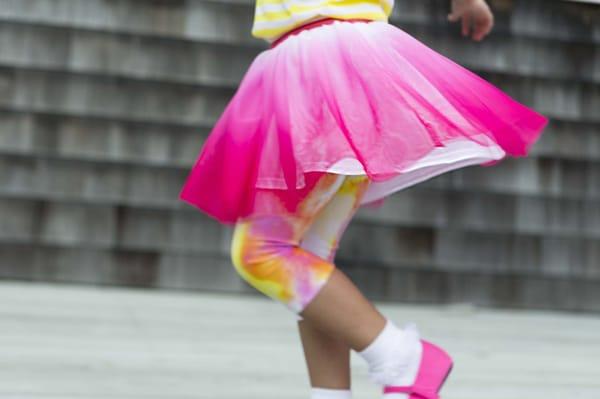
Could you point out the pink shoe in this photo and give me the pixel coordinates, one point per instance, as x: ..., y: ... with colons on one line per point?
x: 434, y: 369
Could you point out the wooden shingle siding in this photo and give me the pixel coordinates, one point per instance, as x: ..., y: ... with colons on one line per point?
x: 105, y: 105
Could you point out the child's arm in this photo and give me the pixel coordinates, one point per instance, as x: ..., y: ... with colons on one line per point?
x: 475, y: 14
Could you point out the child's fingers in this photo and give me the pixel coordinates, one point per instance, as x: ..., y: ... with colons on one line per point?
x: 453, y: 17
x: 478, y: 32
x: 483, y: 26
x: 466, y: 24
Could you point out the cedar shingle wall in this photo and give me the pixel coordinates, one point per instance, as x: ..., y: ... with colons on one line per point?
x: 104, y: 106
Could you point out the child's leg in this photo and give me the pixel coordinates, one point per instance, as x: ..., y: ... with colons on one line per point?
x: 328, y: 361
x: 393, y: 355
x: 328, y: 358
x: 265, y: 248
x: 266, y: 252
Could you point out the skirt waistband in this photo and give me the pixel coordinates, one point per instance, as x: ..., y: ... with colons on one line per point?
x: 314, y: 24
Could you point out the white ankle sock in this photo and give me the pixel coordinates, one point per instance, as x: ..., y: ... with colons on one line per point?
x: 394, y: 356
x: 323, y: 393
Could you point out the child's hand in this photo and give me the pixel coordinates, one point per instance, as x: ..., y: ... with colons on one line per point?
x: 475, y: 15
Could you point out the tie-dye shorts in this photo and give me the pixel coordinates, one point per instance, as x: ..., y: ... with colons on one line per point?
x: 287, y: 255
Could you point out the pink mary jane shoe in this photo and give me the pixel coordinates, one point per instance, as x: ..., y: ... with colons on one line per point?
x: 434, y: 368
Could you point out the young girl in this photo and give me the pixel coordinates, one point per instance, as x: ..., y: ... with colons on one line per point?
x: 343, y: 110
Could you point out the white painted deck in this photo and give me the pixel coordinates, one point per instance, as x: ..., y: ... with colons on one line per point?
x: 67, y: 342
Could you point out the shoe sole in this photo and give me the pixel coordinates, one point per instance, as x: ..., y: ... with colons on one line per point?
x: 445, y: 378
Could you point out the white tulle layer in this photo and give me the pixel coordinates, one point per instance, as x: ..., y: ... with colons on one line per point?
x: 456, y: 154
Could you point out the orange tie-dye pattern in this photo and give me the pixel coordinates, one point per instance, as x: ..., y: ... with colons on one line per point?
x: 265, y: 248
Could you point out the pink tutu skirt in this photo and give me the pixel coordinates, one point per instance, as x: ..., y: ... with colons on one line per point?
x: 351, y: 97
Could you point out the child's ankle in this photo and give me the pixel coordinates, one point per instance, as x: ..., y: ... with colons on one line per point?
x: 394, y: 356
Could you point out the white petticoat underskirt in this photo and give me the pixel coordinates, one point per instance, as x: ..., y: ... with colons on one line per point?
x: 454, y: 155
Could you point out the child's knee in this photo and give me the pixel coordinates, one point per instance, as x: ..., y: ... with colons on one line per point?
x: 259, y: 264
x: 278, y: 267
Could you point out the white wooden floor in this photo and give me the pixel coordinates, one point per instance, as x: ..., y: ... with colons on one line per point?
x: 59, y: 341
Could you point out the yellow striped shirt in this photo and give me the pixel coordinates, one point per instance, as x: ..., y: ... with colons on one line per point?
x: 273, y: 18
